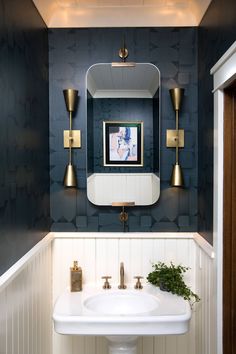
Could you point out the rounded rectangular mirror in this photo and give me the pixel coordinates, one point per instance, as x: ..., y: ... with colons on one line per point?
x: 123, y: 133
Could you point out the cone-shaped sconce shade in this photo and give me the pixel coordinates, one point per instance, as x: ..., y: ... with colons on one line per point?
x: 176, y: 95
x: 70, y: 177
x: 71, y: 97
x: 177, y: 179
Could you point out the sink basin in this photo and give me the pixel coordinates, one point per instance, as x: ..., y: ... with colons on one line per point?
x: 123, y: 303
x: 129, y: 312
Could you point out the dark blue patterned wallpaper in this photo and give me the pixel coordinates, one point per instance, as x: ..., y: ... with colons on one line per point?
x: 24, y: 175
x: 174, y: 52
x: 216, y: 34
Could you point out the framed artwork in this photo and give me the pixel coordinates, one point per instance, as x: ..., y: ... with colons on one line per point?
x: 123, y: 143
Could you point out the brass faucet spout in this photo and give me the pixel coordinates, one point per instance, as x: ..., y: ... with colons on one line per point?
x: 122, y: 277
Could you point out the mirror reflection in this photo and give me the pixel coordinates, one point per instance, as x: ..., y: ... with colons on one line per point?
x: 123, y: 115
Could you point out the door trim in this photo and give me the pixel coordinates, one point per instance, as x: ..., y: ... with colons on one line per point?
x: 229, y: 221
x: 224, y: 73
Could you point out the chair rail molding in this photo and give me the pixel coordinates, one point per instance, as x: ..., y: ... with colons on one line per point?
x: 26, y: 303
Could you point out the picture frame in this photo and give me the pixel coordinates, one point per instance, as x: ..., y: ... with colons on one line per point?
x: 123, y: 143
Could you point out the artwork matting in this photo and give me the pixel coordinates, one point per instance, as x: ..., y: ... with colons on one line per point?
x: 123, y: 143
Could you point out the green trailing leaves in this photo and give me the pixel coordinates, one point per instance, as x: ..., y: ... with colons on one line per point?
x: 170, y: 278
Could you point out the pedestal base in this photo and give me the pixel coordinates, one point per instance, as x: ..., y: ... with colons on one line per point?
x: 122, y: 344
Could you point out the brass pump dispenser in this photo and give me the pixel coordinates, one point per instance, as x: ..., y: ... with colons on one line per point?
x: 75, y: 278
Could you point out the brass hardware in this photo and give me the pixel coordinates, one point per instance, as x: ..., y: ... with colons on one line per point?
x: 123, y: 54
x: 75, y: 278
x: 69, y: 179
x: 123, y: 215
x: 123, y: 64
x: 106, y: 283
x: 123, y: 204
x: 176, y: 95
x: 175, y: 138
x: 138, y: 284
x: 75, y: 139
x: 71, y: 139
x: 71, y: 97
x: 122, y: 277
x: 177, y: 178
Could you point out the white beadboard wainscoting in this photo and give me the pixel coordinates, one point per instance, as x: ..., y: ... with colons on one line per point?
x: 205, y: 315
x: 29, y: 289
x: 26, y: 303
x: 101, y: 254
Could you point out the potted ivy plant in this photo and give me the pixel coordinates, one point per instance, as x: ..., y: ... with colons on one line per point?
x: 170, y: 278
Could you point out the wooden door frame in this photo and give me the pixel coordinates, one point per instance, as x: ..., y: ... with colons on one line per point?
x: 229, y: 222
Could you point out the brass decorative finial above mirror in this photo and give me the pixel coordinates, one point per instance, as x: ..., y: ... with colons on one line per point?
x: 123, y: 54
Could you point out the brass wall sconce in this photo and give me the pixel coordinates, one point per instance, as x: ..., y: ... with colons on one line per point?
x: 72, y: 138
x: 175, y: 138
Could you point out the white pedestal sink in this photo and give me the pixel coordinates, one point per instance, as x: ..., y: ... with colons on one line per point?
x: 121, y: 315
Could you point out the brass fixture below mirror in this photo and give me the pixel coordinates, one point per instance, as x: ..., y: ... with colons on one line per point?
x: 175, y: 138
x: 123, y: 215
x: 72, y: 138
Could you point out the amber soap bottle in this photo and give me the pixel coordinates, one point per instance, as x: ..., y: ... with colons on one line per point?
x: 75, y: 277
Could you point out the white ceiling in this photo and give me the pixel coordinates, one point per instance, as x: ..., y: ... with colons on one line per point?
x: 121, y: 13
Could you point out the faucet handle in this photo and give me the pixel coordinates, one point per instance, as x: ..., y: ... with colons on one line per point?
x: 138, y: 284
x: 106, y: 284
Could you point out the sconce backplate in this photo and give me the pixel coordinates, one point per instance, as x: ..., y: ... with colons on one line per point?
x: 172, y: 137
x: 76, y: 139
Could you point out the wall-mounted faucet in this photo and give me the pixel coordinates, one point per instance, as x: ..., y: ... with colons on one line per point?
x: 122, y: 277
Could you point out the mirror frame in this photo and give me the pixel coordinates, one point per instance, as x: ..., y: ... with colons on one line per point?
x: 123, y: 187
